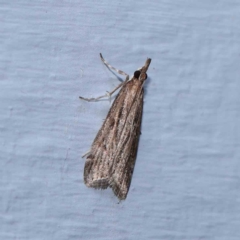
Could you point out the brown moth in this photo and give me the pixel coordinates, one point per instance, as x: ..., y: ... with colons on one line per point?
x: 111, y: 159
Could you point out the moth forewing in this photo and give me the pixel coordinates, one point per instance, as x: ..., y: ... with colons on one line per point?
x: 111, y: 160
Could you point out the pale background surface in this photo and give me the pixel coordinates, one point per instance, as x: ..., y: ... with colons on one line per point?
x: 186, y: 183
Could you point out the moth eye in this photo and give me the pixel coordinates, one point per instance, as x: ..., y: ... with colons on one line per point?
x: 145, y: 77
x: 137, y: 74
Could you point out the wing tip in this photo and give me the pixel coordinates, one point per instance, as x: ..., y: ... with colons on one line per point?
x: 119, y: 190
x: 102, y: 183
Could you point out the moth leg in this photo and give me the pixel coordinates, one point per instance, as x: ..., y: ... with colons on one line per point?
x: 108, y: 94
x: 85, y: 154
x: 113, y: 68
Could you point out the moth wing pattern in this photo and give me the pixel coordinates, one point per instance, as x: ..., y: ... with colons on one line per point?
x: 122, y: 176
x: 112, y: 157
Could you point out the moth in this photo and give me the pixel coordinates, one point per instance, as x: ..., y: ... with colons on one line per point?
x: 111, y: 159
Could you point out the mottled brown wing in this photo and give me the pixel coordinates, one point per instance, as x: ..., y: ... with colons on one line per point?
x: 125, y: 159
x: 112, y: 156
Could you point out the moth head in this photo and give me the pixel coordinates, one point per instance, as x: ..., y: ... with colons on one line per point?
x: 138, y: 73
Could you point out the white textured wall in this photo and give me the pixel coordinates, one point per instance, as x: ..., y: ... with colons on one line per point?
x: 186, y: 183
